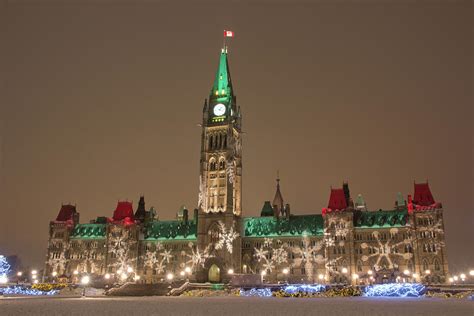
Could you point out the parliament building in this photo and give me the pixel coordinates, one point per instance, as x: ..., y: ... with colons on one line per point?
x: 215, y: 242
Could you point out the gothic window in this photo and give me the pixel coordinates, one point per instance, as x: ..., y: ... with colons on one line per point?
x: 425, y: 265
x: 359, y: 266
x: 436, y: 264
x: 222, y: 164
x: 212, y: 165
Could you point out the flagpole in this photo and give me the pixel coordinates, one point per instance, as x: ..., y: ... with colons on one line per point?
x: 223, y: 47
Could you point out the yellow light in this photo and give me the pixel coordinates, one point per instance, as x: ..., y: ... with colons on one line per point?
x: 427, y: 271
x: 35, y: 281
x: 321, y: 276
x: 34, y: 272
x: 355, y: 276
x: 285, y: 271
x: 187, y: 270
x: 369, y: 272
x: 19, y: 273
x: 34, y: 276
x: 170, y: 276
x: 263, y: 273
x: 76, y: 272
x: 471, y: 272
x: 54, y: 274
x: 217, y: 92
x: 406, y: 272
x: 85, y: 279
x: 230, y: 271
x: 107, y: 276
x: 123, y: 276
x: 463, y: 276
x: 344, y: 270
x: 455, y: 278
x: 136, y: 278
x: 451, y: 280
x: 129, y: 269
x: 182, y: 273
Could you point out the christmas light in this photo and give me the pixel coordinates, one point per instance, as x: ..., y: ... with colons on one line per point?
x: 129, y: 269
x: 471, y: 273
x: 54, y: 273
x: 19, y: 290
x: 231, y: 271
x: 427, y: 271
x: 462, y: 276
x: 344, y: 270
x: 34, y: 272
x: 3, y: 279
x: 19, y: 273
x: 107, y: 276
x: 169, y: 276
x: 256, y: 292
x: 395, y: 290
x: 451, y: 280
x: 187, y: 270
x: 369, y: 272
x: 406, y: 272
x: 321, y: 277
x: 285, y: 271
x: 76, y: 272
x: 182, y: 273
x: 307, y: 288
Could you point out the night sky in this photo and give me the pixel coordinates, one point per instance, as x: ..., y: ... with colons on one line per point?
x: 100, y: 101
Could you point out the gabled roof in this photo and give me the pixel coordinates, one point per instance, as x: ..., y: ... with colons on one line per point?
x: 422, y: 195
x: 171, y: 230
x: 337, y: 200
x: 66, y: 213
x: 123, y: 210
x: 295, y: 226
x: 381, y: 219
x: 89, y: 231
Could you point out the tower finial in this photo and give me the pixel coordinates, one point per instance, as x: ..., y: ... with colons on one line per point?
x: 278, y: 175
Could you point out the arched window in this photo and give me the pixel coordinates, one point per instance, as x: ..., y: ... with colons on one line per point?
x: 359, y: 266
x: 436, y: 264
x: 425, y: 265
x: 222, y: 164
x: 212, y: 165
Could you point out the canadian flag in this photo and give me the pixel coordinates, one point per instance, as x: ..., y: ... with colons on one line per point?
x: 228, y: 33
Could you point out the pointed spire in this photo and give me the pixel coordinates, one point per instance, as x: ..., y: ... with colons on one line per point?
x: 278, y: 199
x: 222, y: 87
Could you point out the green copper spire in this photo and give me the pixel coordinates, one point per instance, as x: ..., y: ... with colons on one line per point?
x: 222, y: 87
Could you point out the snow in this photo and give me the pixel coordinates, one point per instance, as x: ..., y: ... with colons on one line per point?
x: 234, y: 306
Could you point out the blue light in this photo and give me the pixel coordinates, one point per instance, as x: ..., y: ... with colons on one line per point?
x: 19, y: 290
x: 395, y: 290
x: 307, y: 288
x: 256, y: 292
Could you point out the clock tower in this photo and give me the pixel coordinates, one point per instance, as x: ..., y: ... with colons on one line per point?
x: 220, y: 185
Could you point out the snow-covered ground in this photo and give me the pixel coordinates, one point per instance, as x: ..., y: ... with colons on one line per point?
x: 234, y: 306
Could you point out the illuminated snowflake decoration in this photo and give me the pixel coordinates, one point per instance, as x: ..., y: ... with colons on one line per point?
x: 159, y: 259
x: 270, y: 256
x: 197, y: 258
x: 387, y: 250
x: 120, y: 245
x: 226, y: 237
x: 230, y: 170
x: 308, y: 254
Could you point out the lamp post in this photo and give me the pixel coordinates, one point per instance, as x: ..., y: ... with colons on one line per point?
x: 285, y: 273
x: 84, y: 281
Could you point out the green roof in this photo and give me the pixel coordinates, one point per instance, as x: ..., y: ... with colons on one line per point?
x: 171, y: 230
x: 380, y: 219
x: 89, y: 231
x: 295, y: 226
x: 222, y: 87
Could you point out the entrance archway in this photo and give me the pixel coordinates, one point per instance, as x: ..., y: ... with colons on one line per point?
x: 214, y: 274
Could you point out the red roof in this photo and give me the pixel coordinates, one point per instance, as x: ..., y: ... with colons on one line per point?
x: 423, y: 195
x: 66, y: 213
x: 123, y: 210
x: 337, y: 200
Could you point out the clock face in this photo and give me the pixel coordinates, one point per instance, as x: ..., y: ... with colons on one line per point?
x: 219, y: 109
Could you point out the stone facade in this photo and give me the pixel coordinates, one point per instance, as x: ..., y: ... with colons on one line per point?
x: 345, y: 244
